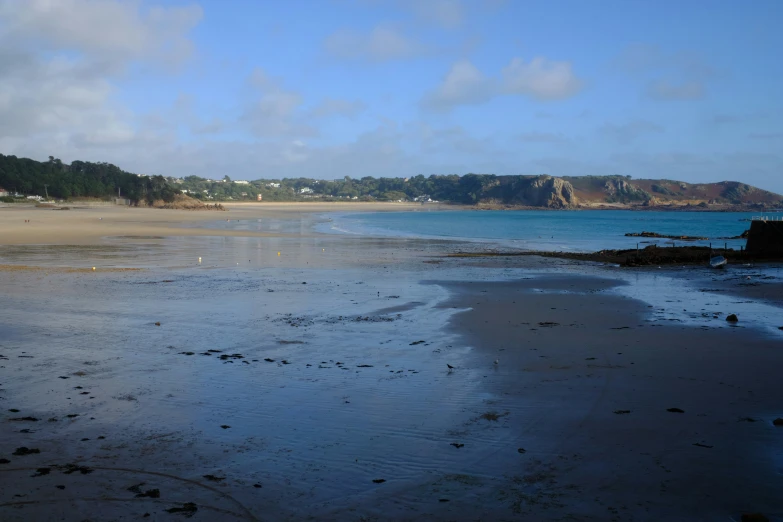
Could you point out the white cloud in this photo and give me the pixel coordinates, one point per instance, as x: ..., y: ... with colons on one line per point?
x: 60, y: 63
x: 111, y: 29
x: 668, y: 76
x: 541, y: 79
x: 446, y: 13
x: 335, y: 107
x: 464, y: 84
x: 381, y: 44
x: 273, y: 111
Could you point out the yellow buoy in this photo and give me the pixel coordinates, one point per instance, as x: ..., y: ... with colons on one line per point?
x: 93, y: 269
x: 278, y: 253
x: 199, y: 260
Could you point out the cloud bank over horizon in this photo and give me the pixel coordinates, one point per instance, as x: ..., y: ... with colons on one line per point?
x: 331, y: 88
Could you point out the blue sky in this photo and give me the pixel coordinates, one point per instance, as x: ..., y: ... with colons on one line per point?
x: 268, y: 89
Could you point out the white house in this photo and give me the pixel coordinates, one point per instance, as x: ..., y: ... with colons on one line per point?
x: 242, y: 182
x: 3, y: 192
x: 305, y: 190
x: 273, y: 185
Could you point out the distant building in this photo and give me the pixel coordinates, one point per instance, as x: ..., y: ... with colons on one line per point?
x: 305, y: 190
x: 242, y: 182
x: 36, y: 198
x: 260, y: 197
x: 243, y: 194
x: 3, y: 192
x: 273, y: 185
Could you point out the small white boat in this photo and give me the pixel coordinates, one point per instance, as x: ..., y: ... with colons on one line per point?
x: 718, y: 262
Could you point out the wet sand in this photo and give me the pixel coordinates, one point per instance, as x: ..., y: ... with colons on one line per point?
x: 29, y: 225
x: 314, y: 385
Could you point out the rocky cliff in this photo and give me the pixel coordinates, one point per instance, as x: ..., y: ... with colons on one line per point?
x: 548, y: 192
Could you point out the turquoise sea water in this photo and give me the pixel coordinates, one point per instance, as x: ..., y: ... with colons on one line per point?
x: 578, y: 231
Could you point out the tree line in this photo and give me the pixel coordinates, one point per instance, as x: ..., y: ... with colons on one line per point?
x: 56, y: 179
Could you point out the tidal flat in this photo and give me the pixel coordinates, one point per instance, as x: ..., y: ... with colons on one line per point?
x: 359, y: 378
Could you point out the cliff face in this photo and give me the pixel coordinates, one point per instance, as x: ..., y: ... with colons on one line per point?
x: 622, y: 191
x: 548, y: 192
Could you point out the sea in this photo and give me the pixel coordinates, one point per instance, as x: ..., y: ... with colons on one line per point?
x: 552, y: 230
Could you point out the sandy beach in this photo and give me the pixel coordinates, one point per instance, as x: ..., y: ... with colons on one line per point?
x: 292, y: 375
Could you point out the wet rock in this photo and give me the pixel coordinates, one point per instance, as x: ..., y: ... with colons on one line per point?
x: 215, y: 351
x: 777, y: 422
x: 24, y: 450
x: 150, y: 493
x: 101, y: 437
x: 214, y: 478
x: 675, y: 410
x: 732, y: 318
x: 700, y: 445
x: 621, y: 412
x: 747, y: 419
x: 14, y: 410
x: 379, y: 481
x: 85, y: 439
x: 188, y: 509
x: 5, y: 461
x: 69, y: 469
x: 285, y: 362
x: 24, y: 419
x: 225, y: 426
x: 257, y: 486
x: 72, y: 415
x: 60, y: 487
x: 26, y: 430
x: 40, y: 472
x: 548, y: 324
x: 457, y: 445
x: 417, y: 342
x: 157, y: 323
x: 521, y: 450
x: 225, y: 356
x: 269, y: 360
x: 443, y: 500
x: 63, y: 377
x: 365, y: 366
x: 186, y: 353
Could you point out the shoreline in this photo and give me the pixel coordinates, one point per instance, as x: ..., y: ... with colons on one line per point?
x: 295, y: 374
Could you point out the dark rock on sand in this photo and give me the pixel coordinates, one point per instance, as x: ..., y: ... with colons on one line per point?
x: 60, y: 487
x: 379, y: 481
x: 700, y: 445
x: 777, y: 422
x: 457, y: 445
x: 621, y: 412
x: 675, y: 410
x: 157, y: 324
x: 5, y: 461
x: 225, y: 426
x: 257, y: 486
x: 69, y: 469
x: 417, y: 342
x: 14, y: 410
x: 24, y: 450
x: 521, y: 450
x: 40, y: 472
x: 188, y: 509
x: 214, y: 478
x: 732, y: 318
x: 26, y: 419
